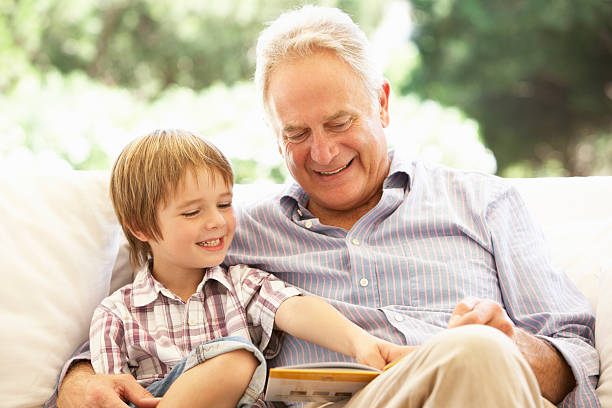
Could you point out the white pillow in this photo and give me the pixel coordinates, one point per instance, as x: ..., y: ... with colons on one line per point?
x: 58, y: 243
x: 575, y: 215
x: 603, y: 335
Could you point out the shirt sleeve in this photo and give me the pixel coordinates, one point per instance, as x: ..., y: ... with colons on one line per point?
x: 80, y: 354
x: 107, y: 345
x: 261, y: 294
x: 540, y: 298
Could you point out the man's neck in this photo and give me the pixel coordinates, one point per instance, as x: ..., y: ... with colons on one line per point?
x: 343, y: 218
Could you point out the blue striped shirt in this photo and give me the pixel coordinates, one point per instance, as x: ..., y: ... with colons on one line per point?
x: 436, y: 236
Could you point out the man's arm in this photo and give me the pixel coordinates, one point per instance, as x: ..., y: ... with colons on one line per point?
x: 315, y: 320
x: 82, y: 388
x: 554, y: 375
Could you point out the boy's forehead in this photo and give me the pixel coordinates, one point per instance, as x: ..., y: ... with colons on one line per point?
x: 194, y: 178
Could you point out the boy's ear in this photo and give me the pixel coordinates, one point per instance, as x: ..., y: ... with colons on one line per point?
x: 139, y: 235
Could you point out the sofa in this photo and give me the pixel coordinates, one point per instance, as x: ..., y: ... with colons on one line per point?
x: 62, y: 251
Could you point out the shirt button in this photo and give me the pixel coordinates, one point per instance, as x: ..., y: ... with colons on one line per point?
x: 363, y: 282
x: 355, y: 242
x: 192, y: 322
x: 308, y: 224
x: 399, y: 318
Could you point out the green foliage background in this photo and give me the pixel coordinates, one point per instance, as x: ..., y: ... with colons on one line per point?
x: 536, y: 75
x: 530, y: 80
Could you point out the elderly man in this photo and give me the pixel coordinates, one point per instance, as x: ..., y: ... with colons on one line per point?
x: 421, y: 255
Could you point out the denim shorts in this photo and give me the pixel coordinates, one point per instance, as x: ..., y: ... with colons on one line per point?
x: 208, y: 350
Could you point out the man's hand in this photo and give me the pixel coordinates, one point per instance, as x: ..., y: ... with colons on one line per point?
x: 82, y: 388
x: 378, y: 353
x: 481, y: 311
x: 554, y: 375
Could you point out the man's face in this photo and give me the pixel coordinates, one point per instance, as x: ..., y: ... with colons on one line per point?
x: 329, y: 133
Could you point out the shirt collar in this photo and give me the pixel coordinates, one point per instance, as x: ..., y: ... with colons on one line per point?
x: 146, y: 289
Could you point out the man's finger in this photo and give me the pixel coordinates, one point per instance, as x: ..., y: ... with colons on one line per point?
x: 485, y: 312
x: 136, y: 394
x: 462, y: 308
x: 149, y: 402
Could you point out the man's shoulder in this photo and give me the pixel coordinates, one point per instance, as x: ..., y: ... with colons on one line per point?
x: 460, y: 179
x: 468, y: 189
x: 255, y: 200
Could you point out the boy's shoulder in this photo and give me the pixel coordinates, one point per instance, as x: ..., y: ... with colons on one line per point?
x: 119, y: 300
x: 127, y: 298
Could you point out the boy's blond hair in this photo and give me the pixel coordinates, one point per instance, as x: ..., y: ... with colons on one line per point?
x: 146, y: 174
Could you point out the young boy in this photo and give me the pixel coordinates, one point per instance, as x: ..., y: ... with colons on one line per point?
x: 186, y: 328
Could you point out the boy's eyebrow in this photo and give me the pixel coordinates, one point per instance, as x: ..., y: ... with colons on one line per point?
x: 187, y: 203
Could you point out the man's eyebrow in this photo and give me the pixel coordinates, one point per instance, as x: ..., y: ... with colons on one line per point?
x: 291, y: 128
x: 338, y: 115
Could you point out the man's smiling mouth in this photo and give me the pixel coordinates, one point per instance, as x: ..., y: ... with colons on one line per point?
x: 331, y: 173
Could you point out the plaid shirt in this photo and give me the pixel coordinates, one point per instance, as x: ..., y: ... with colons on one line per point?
x: 143, y: 329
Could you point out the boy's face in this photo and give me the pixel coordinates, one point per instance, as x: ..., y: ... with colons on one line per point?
x: 197, y: 225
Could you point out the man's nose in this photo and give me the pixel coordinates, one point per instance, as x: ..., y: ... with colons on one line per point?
x: 323, y: 149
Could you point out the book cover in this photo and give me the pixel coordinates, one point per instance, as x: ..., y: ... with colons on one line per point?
x: 316, y: 382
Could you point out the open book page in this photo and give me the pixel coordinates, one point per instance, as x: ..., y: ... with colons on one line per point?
x: 326, y: 381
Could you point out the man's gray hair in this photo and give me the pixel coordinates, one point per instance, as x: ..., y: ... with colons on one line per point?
x: 310, y: 29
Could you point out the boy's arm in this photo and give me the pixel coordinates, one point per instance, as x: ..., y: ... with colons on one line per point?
x: 315, y: 320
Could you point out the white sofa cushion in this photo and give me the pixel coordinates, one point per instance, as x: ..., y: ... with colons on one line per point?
x: 58, y: 243
x: 603, y: 335
x: 576, y: 217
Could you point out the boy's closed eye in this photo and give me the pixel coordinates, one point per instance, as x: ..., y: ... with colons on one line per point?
x: 190, y: 214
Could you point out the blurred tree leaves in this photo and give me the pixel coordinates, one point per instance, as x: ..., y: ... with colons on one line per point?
x: 533, y: 77
x: 535, y: 74
x: 145, y: 45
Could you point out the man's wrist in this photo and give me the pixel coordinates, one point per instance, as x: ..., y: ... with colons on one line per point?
x: 78, y: 369
x: 76, y: 376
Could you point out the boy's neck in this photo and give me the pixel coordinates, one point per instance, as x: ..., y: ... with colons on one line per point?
x: 181, y: 284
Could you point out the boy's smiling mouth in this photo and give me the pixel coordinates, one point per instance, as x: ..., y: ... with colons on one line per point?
x: 212, y: 244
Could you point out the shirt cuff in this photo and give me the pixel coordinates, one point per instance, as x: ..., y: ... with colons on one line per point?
x: 81, y: 354
x: 271, y: 339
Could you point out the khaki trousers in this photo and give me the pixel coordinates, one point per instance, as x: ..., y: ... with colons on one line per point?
x: 469, y: 366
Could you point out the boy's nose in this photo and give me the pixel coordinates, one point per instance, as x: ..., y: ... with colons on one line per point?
x: 215, y: 220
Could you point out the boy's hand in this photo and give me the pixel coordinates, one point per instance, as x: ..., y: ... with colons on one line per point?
x: 378, y: 353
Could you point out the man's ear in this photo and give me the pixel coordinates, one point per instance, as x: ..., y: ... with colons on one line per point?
x: 383, y: 100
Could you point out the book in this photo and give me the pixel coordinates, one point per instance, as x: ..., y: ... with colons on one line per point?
x: 318, y: 382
